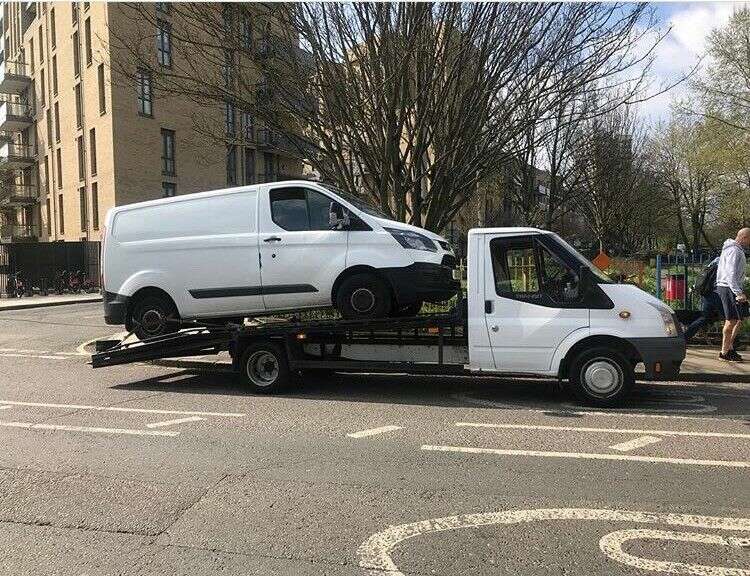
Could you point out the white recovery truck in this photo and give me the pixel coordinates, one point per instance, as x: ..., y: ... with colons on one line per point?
x: 533, y: 306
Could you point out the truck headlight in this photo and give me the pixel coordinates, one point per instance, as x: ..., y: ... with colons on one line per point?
x: 670, y: 326
x: 412, y: 240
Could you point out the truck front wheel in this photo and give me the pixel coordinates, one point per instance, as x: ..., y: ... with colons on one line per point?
x: 601, y: 377
x: 264, y: 367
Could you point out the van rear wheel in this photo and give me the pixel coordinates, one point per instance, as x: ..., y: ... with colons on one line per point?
x: 154, y: 315
x: 363, y: 296
x: 602, y: 377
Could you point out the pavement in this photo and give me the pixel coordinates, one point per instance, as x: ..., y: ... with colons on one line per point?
x: 152, y: 470
x: 43, y: 301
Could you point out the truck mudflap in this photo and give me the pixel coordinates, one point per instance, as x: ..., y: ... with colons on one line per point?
x: 661, y: 356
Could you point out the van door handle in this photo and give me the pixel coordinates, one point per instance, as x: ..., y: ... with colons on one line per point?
x: 272, y: 239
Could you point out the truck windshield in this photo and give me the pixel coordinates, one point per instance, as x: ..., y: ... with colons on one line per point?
x: 578, y: 257
x: 358, y: 202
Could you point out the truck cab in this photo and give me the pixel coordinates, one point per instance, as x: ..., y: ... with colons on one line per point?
x: 537, y: 306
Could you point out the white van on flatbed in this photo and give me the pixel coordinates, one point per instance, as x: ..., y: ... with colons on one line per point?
x: 267, y: 248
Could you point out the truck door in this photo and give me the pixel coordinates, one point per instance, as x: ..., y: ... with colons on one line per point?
x: 531, y: 302
x: 301, y: 255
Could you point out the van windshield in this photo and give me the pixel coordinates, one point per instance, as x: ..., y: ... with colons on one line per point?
x: 358, y: 202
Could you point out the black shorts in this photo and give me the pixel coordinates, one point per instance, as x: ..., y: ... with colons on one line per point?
x: 729, y: 303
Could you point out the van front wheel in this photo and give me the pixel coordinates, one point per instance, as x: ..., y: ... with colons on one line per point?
x: 363, y: 296
x: 602, y: 377
x: 154, y: 315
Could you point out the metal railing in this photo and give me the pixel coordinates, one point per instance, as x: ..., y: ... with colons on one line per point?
x: 8, y: 108
x: 13, y: 67
x: 12, y: 150
x: 10, y: 231
x: 17, y: 192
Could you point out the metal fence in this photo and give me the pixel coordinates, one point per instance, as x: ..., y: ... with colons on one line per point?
x: 40, y: 262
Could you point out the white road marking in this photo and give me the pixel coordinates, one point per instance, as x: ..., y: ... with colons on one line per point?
x: 375, y: 553
x: 4, y: 407
x: 612, y: 543
x: 171, y: 422
x: 588, y: 456
x: 81, y: 349
x: 123, y: 409
x: 68, y: 353
x: 126, y: 431
x: 43, y: 356
x: 635, y: 443
x: 373, y: 431
x: 576, y: 412
x: 612, y: 430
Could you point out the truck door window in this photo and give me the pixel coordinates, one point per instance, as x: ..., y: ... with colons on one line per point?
x: 558, y: 281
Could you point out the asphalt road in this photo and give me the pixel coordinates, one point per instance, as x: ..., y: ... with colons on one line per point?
x: 156, y: 470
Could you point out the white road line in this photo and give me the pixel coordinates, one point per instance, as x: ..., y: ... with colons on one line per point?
x: 45, y: 357
x: 375, y: 553
x: 635, y: 443
x: 373, y: 431
x: 171, y: 422
x: 4, y: 407
x: 611, y: 544
x: 612, y: 430
x: 67, y: 353
x: 126, y: 431
x: 588, y: 456
x: 123, y: 409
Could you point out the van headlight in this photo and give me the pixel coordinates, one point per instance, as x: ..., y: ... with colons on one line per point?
x: 670, y: 326
x: 412, y: 240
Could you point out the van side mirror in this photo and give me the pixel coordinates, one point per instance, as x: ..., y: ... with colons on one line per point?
x: 338, y: 217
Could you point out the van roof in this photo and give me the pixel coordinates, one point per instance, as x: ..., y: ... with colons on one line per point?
x: 207, y: 194
x: 508, y: 231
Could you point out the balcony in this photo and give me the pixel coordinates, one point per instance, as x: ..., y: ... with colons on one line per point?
x: 17, y: 195
x: 17, y: 233
x: 274, y: 141
x: 14, y: 77
x: 14, y: 116
x: 15, y: 156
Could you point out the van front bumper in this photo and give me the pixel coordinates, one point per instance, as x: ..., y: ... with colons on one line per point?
x: 115, y: 308
x: 423, y: 281
x: 662, y: 357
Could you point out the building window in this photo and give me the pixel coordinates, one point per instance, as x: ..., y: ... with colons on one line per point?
x: 164, y: 43
x: 86, y: 6
x: 52, y: 28
x: 227, y: 16
x: 41, y: 44
x: 49, y: 218
x: 46, y: 174
x: 167, y: 152
x: 229, y: 119
x: 231, y: 165
x: 95, y: 206
x: 84, y: 215
x: 54, y: 75
x: 59, y: 168
x: 102, y: 95
x: 76, y: 56
x: 168, y: 189
x: 61, y: 213
x: 92, y: 150
x: 248, y: 125
x: 57, y: 121
x: 79, y: 105
x: 87, y: 39
x: 81, y: 159
x: 228, y: 69
x: 249, y: 166
x: 31, y: 55
x: 247, y: 33
x: 145, y: 107
x: 163, y: 7
x: 269, y: 167
x: 74, y: 12
x: 43, y: 95
x: 49, y: 129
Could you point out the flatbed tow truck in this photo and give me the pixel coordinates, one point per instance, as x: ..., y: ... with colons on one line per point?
x: 558, y: 317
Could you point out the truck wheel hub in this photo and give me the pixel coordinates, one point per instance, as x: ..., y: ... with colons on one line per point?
x: 602, y: 377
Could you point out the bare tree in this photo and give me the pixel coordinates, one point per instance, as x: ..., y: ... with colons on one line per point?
x: 408, y: 104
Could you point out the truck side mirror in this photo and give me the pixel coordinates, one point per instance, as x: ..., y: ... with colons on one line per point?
x: 338, y: 217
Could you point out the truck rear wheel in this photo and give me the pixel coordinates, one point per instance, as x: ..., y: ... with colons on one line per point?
x: 601, y: 377
x: 363, y: 296
x: 264, y: 367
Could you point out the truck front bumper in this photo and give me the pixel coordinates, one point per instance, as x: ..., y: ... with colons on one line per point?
x: 422, y: 281
x: 662, y: 357
x: 115, y: 308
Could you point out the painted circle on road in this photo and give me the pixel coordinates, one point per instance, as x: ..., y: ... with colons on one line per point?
x: 375, y: 553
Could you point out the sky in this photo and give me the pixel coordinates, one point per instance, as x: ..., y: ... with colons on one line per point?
x: 677, y: 54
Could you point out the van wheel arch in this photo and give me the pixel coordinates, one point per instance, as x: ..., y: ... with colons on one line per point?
x: 358, y: 269
x: 601, y: 341
x: 139, y: 296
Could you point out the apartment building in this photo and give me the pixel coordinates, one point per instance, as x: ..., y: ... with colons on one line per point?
x: 79, y: 138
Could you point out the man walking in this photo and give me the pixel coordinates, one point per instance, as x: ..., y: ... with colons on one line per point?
x: 730, y: 277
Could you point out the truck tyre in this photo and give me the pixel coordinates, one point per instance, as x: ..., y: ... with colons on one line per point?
x: 363, y: 296
x: 154, y: 315
x: 264, y: 367
x: 601, y: 377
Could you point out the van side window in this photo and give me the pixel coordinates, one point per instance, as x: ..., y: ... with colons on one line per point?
x: 297, y: 209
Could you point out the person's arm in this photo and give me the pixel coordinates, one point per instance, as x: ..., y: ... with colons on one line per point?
x: 737, y: 264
